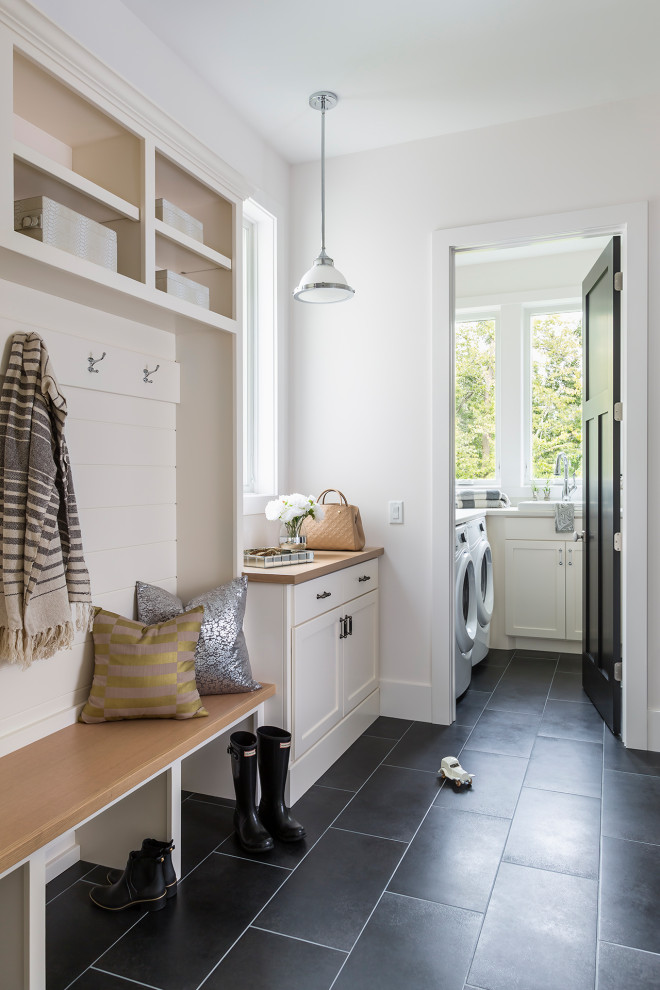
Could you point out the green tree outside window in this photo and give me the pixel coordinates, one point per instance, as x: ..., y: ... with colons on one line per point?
x: 556, y: 391
x: 475, y: 399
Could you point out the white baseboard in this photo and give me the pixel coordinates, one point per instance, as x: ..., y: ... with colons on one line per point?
x: 405, y: 699
x: 547, y: 645
x: 654, y: 730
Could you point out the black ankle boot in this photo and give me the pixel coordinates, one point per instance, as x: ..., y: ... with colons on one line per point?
x: 141, y: 884
x: 155, y: 847
x: 274, y: 747
x: 251, y: 834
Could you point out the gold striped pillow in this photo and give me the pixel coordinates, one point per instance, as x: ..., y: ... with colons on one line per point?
x: 144, y: 671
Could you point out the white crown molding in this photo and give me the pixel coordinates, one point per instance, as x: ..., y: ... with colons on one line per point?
x: 90, y: 73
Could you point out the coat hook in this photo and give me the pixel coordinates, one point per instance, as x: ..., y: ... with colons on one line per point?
x: 146, y: 378
x: 92, y: 362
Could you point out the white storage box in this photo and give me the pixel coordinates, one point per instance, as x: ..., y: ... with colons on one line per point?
x: 182, y: 287
x: 50, y: 222
x: 179, y: 219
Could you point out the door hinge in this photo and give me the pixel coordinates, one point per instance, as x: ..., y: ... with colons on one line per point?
x: 618, y: 281
x: 618, y: 541
x: 618, y: 670
x: 618, y: 412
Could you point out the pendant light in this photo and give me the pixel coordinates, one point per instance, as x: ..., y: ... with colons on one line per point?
x: 323, y: 283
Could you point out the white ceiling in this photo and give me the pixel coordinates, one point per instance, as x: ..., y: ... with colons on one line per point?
x: 408, y: 69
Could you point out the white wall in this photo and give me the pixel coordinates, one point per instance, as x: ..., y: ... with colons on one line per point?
x: 360, y: 414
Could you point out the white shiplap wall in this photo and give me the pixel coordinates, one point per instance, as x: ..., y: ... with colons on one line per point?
x: 121, y: 434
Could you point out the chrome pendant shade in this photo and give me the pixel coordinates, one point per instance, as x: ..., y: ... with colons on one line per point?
x: 323, y: 283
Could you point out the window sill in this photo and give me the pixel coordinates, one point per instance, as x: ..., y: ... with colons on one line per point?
x: 254, y: 504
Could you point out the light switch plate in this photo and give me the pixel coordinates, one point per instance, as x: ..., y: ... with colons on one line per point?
x: 395, y: 512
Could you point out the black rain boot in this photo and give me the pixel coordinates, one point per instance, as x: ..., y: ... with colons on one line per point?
x: 274, y: 748
x: 141, y: 884
x: 251, y: 834
x: 155, y: 847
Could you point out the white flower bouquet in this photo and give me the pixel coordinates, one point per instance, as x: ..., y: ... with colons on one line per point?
x: 292, y: 510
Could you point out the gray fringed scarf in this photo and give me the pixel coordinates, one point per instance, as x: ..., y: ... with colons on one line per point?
x: 45, y: 590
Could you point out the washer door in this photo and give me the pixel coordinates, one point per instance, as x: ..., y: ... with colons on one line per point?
x: 484, y: 581
x: 465, y: 612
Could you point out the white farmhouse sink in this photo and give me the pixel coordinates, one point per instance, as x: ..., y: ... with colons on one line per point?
x: 545, y: 508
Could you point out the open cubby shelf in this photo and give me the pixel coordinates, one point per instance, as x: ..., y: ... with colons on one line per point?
x: 70, y: 149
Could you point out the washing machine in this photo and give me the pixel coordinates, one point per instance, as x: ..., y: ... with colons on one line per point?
x: 482, y: 560
x: 465, y: 611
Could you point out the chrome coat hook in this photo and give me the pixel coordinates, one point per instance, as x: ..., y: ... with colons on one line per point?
x: 92, y: 362
x: 146, y: 378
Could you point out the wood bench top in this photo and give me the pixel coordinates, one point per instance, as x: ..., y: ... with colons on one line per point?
x: 55, y: 783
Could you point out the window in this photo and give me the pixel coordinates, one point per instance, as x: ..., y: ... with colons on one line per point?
x: 476, y: 451
x: 555, y: 416
x: 259, y: 355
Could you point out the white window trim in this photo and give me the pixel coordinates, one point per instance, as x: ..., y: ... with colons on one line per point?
x: 473, y: 315
x: 529, y: 311
x: 265, y: 410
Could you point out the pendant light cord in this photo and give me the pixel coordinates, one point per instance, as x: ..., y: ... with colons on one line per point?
x: 323, y: 178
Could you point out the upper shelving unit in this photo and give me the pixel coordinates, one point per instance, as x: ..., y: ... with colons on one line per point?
x: 82, y: 158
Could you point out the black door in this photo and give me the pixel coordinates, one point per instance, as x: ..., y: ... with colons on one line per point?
x: 601, y: 599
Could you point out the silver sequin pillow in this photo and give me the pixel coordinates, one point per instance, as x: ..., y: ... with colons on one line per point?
x: 222, y: 663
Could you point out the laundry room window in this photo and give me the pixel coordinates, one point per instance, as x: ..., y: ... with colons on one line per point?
x: 476, y: 411
x: 259, y: 357
x: 554, y: 406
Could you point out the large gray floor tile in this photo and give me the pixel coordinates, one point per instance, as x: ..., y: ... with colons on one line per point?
x: 359, y: 761
x: 331, y: 894
x: 539, y: 932
x: 412, y: 944
x: 391, y: 804
x: 425, y: 744
x: 553, y: 831
x: 620, y: 967
x: 264, y: 961
x: 571, y: 720
x: 568, y: 687
x: 566, y: 765
x: 630, y: 886
x: 495, y: 788
x: 508, y: 733
x: 617, y: 757
x: 631, y: 806
x: 453, y: 859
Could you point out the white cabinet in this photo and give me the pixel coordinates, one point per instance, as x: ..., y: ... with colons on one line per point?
x: 317, y: 640
x: 544, y: 589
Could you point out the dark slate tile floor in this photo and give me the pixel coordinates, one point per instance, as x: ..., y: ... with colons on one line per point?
x: 545, y: 874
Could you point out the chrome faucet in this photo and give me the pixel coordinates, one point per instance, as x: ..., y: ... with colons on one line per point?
x: 566, y: 489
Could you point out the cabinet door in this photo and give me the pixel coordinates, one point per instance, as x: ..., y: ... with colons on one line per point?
x: 360, y: 650
x: 574, y: 591
x: 535, y: 588
x: 317, y: 679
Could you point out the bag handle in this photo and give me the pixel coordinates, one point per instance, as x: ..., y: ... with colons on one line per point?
x: 342, y: 497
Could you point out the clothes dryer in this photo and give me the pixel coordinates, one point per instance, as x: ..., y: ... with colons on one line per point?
x: 465, y: 611
x: 482, y: 559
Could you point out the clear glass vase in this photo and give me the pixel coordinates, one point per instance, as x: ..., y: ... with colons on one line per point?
x: 290, y: 536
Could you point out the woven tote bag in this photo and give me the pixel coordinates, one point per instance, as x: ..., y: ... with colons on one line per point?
x: 340, y: 528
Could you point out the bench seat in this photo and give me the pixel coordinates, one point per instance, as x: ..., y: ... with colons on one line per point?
x: 54, y: 784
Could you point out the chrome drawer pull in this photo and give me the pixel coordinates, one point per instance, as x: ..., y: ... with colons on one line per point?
x: 365, y: 577
x: 326, y: 594
x: 349, y: 620
x: 342, y: 628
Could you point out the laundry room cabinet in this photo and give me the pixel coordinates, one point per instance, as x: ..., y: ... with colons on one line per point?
x: 544, y: 589
x: 315, y: 635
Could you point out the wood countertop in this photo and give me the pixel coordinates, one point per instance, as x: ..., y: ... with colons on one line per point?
x: 325, y: 562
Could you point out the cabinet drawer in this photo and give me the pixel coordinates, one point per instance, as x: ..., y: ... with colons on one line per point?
x: 312, y: 598
x: 360, y: 579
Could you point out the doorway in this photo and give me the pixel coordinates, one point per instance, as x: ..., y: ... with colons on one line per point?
x: 629, y: 221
